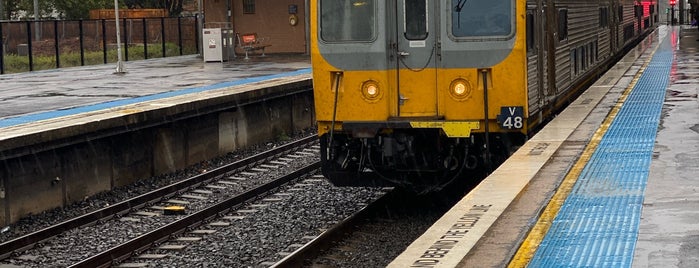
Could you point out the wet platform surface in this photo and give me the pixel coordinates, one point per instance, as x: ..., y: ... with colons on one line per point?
x: 669, y: 228
x: 26, y: 97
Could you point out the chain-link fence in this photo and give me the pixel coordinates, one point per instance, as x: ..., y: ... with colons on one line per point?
x: 38, y: 45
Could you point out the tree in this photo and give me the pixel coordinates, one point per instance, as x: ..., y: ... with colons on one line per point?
x: 45, y: 9
x: 79, y: 9
x: 10, y: 9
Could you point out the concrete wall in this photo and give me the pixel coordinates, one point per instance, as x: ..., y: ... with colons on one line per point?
x: 39, y: 177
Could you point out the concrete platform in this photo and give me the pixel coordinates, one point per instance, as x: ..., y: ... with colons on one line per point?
x: 493, y: 225
x: 70, y: 133
x: 34, y: 93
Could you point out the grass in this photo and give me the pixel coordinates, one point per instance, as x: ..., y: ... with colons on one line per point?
x: 17, y: 64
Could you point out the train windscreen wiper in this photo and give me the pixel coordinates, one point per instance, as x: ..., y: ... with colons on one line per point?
x: 458, y: 8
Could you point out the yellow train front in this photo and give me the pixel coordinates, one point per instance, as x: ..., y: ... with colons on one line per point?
x: 406, y: 91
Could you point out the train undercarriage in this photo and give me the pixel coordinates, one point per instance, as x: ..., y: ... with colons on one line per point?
x: 418, y: 160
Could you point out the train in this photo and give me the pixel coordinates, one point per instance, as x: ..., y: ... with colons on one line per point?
x: 420, y: 94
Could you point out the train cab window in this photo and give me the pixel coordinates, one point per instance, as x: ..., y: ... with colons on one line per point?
x: 482, y: 18
x: 415, y: 17
x: 562, y: 24
x: 347, y: 20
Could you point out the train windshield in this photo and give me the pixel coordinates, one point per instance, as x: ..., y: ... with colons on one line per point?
x: 347, y: 20
x: 477, y: 18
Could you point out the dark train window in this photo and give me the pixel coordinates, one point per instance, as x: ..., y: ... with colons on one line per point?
x: 574, y: 62
x: 621, y: 13
x: 482, y: 18
x: 248, y: 6
x: 638, y: 11
x: 603, y: 17
x: 562, y: 24
x: 347, y: 20
x: 415, y: 17
x: 531, y: 31
x: 583, y: 58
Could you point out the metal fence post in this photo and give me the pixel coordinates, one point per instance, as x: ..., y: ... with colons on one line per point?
x: 29, y: 46
x: 82, y: 45
x: 145, y: 39
x: 126, y: 41
x: 104, y: 41
x: 162, y: 36
x: 2, y: 51
x: 179, y: 34
x: 196, y: 34
x: 55, y: 41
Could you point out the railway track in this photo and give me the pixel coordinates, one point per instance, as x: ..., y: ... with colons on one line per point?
x: 270, y: 160
x: 336, y: 233
x: 185, y: 240
x: 188, y: 223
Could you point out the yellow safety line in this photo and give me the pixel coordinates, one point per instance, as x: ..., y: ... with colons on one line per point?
x: 529, y: 246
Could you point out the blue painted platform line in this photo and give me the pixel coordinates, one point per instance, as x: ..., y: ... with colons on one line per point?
x: 12, y: 121
x: 598, y: 224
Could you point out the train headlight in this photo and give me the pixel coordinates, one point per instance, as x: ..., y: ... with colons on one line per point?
x: 371, y: 91
x: 460, y: 89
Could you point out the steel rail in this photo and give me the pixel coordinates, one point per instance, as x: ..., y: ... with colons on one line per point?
x: 337, y: 232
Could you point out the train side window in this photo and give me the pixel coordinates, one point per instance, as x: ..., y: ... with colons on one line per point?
x: 415, y: 17
x: 621, y: 13
x: 583, y: 58
x: 531, y: 32
x: 595, y: 50
x: 573, y: 62
x: 347, y: 20
x: 562, y: 24
x: 603, y: 17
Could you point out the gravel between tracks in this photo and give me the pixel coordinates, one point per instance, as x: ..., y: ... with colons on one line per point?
x: 51, y: 254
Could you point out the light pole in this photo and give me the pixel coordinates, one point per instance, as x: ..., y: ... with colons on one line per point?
x: 200, y: 22
x: 120, y: 64
x: 37, y: 29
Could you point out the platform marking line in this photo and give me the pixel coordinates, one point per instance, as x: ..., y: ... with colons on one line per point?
x: 536, y: 235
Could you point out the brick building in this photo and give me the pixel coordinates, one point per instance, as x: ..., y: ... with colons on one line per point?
x: 283, y: 23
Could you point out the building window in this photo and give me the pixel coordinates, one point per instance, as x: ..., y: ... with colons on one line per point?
x: 248, y: 6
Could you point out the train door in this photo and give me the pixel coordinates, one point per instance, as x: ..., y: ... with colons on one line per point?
x: 416, y: 45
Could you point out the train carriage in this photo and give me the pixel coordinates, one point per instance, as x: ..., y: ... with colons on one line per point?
x: 418, y: 93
